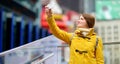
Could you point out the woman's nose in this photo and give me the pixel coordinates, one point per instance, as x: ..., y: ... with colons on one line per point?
x: 77, y: 21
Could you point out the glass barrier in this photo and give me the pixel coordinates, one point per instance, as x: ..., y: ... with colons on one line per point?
x: 32, y: 53
x: 50, y: 50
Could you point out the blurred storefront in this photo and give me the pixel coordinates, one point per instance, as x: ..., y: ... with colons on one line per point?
x: 20, y: 23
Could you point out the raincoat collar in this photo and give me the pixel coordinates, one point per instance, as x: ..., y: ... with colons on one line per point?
x: 91, y: 32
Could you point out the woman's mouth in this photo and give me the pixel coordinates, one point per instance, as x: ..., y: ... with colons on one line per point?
x: 78, y: 22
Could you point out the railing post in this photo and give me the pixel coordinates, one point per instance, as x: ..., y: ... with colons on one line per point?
x: 9, y: 44
x: 1, y: 29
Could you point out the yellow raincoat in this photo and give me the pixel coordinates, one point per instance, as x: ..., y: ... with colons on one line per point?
x: 82, y: 50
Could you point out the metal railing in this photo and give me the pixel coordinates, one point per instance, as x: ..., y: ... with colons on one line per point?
x: 44, y: 45
x: 40, y: 61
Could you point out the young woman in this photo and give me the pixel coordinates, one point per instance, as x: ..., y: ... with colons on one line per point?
x: 83, y: 42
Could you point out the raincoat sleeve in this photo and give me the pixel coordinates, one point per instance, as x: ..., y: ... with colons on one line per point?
x: 99, y: 52
x: 57, y: 31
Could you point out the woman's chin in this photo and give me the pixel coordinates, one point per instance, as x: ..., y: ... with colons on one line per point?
x: 79, y: 26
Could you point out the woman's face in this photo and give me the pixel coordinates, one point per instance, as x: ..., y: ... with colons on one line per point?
x: 81, y: 22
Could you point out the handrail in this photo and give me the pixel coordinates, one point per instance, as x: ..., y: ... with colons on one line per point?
x: 42, y: 60
x: 106, y: 43
x: 29, y: 62
x: 25, y: 46
x: 111, y: 43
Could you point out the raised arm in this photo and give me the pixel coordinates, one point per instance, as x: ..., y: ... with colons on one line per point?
x: 55, y: 29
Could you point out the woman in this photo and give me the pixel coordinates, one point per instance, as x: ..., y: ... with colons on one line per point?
x: 82, y: 42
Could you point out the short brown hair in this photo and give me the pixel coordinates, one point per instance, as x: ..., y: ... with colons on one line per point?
x: 89, y: 19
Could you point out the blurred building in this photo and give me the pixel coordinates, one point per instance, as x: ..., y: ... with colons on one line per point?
x: 107, y: 26
x: 110, y: 31
x: 80, y: 6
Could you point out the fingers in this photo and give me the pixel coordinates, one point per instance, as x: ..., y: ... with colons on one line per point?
x: 48, y: 11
